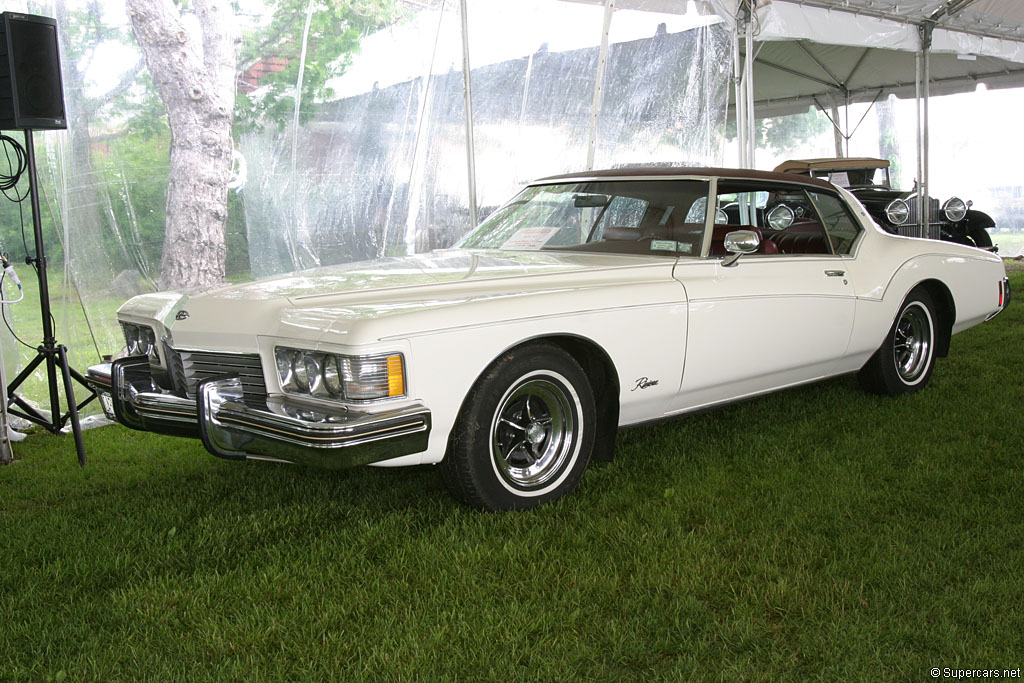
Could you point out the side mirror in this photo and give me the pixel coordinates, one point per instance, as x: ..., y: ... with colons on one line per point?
x: 738, y: 243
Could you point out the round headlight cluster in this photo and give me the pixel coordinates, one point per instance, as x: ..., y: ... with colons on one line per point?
x: 954, y: 209
x: 327, y: 375
x: 781, y: 217
x: 897, y: 212
x: 141, y: 341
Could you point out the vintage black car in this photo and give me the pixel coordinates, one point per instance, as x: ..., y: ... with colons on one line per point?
x: 896, y: 210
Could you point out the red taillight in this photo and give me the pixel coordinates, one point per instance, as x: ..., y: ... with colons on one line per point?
x: 1000, y: 294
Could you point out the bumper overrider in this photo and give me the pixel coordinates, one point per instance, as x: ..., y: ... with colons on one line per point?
x: 231, y: 427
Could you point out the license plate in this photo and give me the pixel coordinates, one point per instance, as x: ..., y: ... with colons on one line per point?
x: 108, y: 405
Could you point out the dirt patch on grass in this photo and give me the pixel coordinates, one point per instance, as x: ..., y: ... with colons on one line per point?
x: 1014, y: 264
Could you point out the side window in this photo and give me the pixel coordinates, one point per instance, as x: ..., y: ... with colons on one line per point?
x: 782, y: 215
x: 840, y: 226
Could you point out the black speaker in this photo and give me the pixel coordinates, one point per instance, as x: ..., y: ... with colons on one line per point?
x: 31, y: 89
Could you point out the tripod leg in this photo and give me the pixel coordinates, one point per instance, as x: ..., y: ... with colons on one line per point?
x: 69, y: 393
x: 51, y: 380
x: 25, y: 372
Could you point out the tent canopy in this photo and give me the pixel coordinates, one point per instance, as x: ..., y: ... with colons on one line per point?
x: 832, y: 52
x: 791, y: 76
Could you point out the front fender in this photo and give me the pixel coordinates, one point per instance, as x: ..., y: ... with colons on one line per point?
x: 979, y: 219
x: 642, y: 342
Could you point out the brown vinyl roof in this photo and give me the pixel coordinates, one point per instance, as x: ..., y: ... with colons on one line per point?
x: 805, y: 165
x: 628, y: 172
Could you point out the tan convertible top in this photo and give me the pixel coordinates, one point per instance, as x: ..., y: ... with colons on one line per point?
x: 806, y: 165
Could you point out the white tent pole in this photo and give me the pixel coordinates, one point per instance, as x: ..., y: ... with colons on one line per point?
x: 740, y: 99
x: 926, y: 182
x: 918, y: 93
x: 926, y: 82
x: 595, y: 109
x: 748, y: 79
x: 467, y: 90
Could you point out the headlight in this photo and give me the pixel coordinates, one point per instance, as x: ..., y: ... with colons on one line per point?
x: 955, y: 209
x: 897, y: 212
x: 328, y: 375
x: 332, y: 376
x: 141, y: 341
x: 781, y: 217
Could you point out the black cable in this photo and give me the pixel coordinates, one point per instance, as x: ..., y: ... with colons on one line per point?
x: 3, y: 313
x: 9, y: 180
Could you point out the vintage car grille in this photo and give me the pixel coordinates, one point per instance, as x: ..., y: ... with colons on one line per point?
x: 909, y: 228
x: 189, y: 368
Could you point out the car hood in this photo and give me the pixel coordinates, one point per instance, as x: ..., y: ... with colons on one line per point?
x: 361, y: 302
x: 389, y: 276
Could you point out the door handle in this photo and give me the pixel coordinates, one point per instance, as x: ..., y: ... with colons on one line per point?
x: 835, y: 273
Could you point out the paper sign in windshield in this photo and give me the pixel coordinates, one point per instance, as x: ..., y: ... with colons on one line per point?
x: 529, y: 238
x: 840, y: 178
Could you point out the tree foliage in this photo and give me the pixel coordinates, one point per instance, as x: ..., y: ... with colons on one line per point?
x: 335, y: 29
x: 783, y: 133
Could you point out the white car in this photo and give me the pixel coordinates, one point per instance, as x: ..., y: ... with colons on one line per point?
x: 589, y: 302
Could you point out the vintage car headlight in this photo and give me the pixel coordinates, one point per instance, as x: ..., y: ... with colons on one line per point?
x: 955, y: 209
x: 328, y: 375
x: 781, y: 217
x: 141, y: 341
x: 897, y: 212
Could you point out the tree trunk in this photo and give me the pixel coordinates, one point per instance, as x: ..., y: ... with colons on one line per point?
x: 888, y: 137
x: 196, y: 83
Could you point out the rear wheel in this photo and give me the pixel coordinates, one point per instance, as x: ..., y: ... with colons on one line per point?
x: 525, y: 431
x: 906, y: 358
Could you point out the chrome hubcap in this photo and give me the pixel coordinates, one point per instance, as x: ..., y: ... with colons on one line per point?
x: 912, y: 345
x: 533, y: 433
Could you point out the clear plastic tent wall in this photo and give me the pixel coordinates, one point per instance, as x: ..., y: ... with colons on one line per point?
x: 376, y: 164
x: 382, y: 168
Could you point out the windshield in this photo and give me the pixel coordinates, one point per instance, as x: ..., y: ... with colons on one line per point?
x: 854, y: 177
x: 655, y: 217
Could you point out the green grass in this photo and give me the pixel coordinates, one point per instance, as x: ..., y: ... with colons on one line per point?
x: 1010, y: 243
x: 70, y: 329
x: 818, y: 533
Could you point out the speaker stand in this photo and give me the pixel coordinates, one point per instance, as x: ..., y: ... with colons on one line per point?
x: 49, y: 351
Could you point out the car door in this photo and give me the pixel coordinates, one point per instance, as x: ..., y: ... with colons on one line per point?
x: 776, y: 318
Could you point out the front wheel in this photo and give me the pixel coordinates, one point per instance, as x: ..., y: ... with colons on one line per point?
x: 980, y: 238
x: 525, y: 431
x: 906, y: 358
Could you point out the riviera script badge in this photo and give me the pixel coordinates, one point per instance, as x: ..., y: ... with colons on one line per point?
x: 644, y: 383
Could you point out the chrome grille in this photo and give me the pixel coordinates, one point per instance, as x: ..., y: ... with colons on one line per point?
x: 910, y: 228
x: 189, y: 368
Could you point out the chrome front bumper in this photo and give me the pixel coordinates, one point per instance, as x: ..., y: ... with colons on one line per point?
x: 276, y: 430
